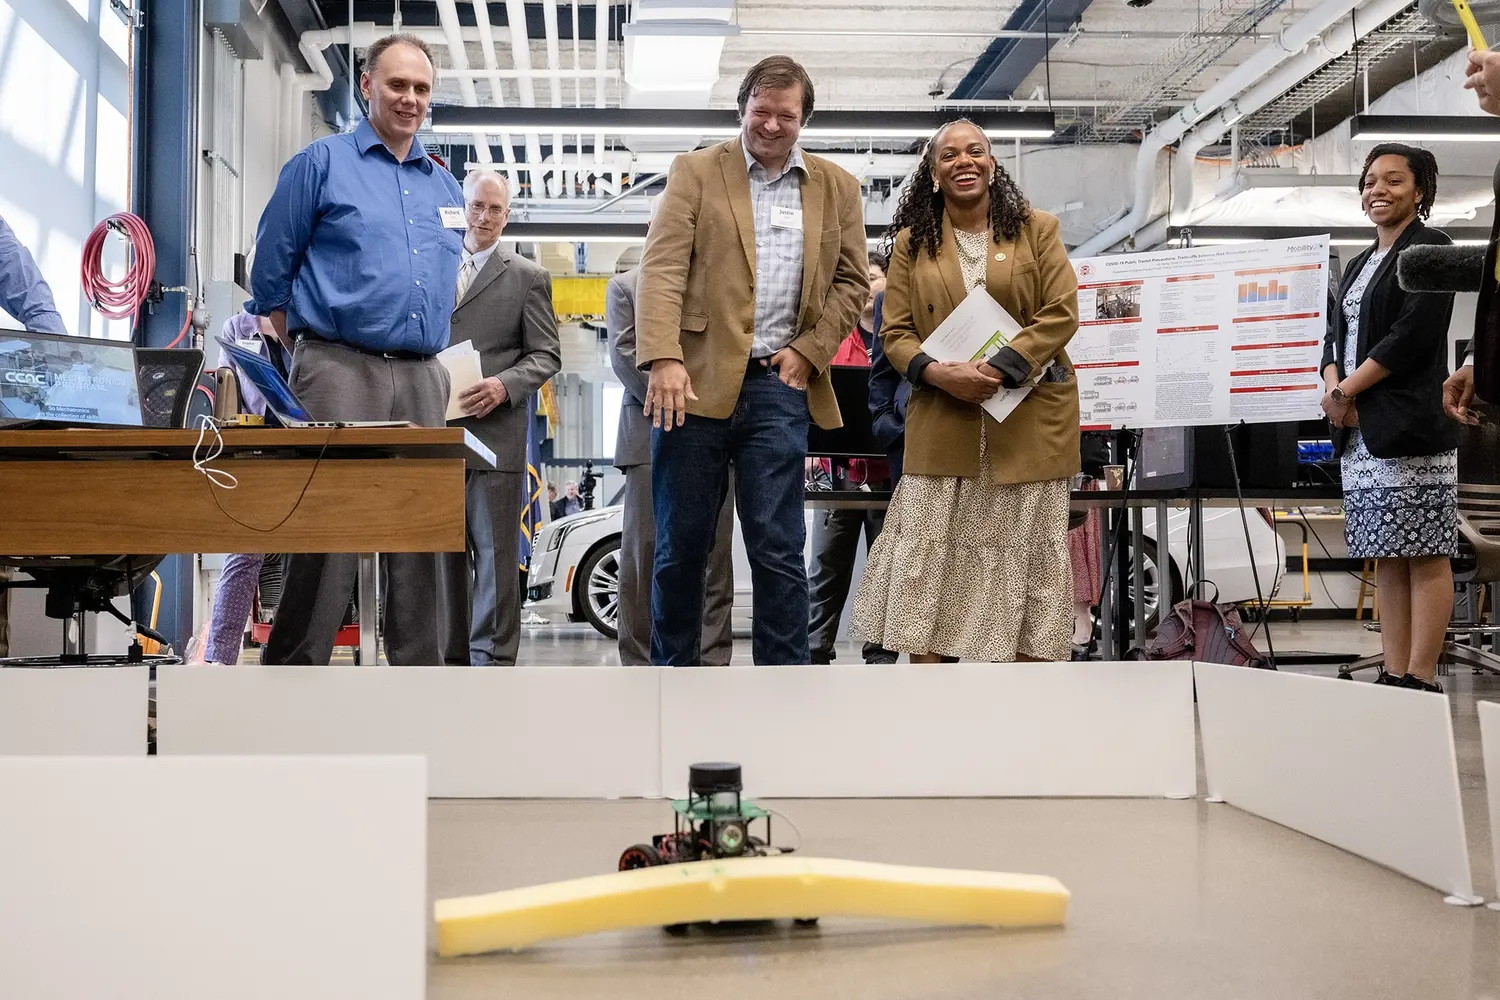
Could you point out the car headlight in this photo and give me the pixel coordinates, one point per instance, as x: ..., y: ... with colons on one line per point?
x: 561, y: 529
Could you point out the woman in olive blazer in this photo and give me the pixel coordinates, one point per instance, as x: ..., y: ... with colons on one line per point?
x: 973, y: 560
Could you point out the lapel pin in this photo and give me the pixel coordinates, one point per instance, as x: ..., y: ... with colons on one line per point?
x: 1000, y: 258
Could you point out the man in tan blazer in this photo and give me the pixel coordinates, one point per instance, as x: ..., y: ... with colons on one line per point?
x: 753, y: 272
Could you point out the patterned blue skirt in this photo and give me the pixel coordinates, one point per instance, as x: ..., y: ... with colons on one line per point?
x: 1399, y: 508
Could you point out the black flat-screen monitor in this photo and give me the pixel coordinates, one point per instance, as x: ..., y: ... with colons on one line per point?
x: 72, y: 381
x: 1165, y: 460
x: 1179, y: 458
x: 856, y: 439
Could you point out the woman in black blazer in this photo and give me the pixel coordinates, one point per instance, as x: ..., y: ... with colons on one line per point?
x: 1384, y: 362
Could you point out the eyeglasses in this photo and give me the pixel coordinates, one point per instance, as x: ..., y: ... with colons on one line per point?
x: 490, y: 211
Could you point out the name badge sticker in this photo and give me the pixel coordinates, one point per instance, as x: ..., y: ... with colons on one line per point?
x: 452, y: 217
x: 786, y: 218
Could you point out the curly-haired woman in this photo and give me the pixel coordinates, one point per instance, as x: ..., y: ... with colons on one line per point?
x: 973, y: 561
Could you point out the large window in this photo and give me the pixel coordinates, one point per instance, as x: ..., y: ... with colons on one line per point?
x: 64, y: 139
x: 614, y: 398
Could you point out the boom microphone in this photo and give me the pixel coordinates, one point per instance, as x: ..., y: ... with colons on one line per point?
x: 1430, y: 268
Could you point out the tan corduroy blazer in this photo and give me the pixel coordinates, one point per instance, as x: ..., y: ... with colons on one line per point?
x: 696, y: 298
x: 1033, y: 280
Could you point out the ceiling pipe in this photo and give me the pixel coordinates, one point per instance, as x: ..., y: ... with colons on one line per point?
x: 601, y: 70
x: 1079, y: 34
x: 1332, y: 44
x: 458, y: 55
x: 562, y: 179
x: 361, y: 34
x: 492, y: 77
x: 1291, y: 41
x: 520, y: 57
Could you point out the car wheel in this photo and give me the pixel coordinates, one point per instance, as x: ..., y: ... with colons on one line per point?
x: 1151, y: 589
x: 598, y: 589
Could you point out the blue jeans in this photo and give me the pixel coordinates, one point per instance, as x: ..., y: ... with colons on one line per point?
x: 766, y: 440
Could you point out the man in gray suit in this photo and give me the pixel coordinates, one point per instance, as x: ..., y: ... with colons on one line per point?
x: 638, y: 536
x: 504, y: 307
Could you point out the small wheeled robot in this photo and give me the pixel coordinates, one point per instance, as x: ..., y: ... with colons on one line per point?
x: 712, y: 822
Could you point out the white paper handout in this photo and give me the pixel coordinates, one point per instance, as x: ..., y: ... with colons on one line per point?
x: 462, y: 362
x: 978, y: 328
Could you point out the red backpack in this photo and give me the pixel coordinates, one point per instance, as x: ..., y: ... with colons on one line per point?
x: 1208, y: 632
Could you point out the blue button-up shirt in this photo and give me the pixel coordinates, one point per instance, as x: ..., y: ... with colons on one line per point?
x: 23, y: 291
x: 352, y: 245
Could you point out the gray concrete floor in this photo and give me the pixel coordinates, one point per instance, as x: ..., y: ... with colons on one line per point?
x: 1170, y: 899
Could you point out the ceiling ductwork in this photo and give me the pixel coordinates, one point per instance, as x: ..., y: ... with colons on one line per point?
x: 1262, y: 71
x: 1331, y: 45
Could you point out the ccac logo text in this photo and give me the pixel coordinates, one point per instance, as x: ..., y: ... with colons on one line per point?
x: 34, y: 379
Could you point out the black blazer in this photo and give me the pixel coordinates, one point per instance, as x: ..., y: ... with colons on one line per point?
x: 1407, y: 332
x: 1486, y: 344
x: 888, y: 395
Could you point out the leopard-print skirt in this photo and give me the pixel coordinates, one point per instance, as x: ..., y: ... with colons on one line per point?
x: 969, y: 568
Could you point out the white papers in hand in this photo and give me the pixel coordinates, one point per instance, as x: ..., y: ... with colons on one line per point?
x: 462, y: 362
x: 978, y: 328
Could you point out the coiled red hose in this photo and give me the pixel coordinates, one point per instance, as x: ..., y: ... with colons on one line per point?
x: 119, y: 299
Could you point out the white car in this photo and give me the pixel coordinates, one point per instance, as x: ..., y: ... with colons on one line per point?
x: 575, y: 566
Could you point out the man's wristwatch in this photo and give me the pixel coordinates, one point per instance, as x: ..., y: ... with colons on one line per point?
x: 1340, y: 396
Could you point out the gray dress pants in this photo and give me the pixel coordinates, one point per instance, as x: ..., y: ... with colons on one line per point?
x: 339, y: 383
x: 482, y: 586
x: 638, y: 554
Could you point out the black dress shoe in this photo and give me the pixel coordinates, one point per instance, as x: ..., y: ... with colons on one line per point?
x: 1418, y: 684
x: 875, y: 659
x: 1390, y: 680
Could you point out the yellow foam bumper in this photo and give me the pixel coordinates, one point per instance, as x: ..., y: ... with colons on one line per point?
x: 769, y: 888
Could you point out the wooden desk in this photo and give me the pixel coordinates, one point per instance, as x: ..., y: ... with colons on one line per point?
x: 87, y: 492
x: 349, y: 489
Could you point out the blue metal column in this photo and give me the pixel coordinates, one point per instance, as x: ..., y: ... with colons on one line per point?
x: 164, y: 133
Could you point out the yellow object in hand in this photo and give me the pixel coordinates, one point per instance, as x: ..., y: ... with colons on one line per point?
x: 1476, y: 37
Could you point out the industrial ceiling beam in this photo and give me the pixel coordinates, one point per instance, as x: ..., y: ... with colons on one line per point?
x: 1009, y: 60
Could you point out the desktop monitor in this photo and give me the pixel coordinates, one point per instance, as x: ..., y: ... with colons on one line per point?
x: 1177, y: 458
x: 74, y: 381
x: 1165, y: 461
x: 856, y: 439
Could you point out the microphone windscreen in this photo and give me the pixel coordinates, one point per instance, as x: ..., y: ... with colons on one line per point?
x: 1430, y: 268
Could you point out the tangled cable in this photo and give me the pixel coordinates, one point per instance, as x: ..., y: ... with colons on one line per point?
x: 119, y: 299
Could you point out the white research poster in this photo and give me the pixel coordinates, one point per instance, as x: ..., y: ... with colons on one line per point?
x: 1205, y: 335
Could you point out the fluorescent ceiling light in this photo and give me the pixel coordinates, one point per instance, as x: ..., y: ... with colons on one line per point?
x: 1339, y: 236
x: 1425, y: 128
x: 724, y: 122
x: 597, y: 231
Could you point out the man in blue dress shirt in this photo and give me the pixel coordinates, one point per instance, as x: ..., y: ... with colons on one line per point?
x: 23, y: 291
x: 356, y: 262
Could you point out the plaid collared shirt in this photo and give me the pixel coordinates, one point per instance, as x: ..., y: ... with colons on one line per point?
x: 778, y: 254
